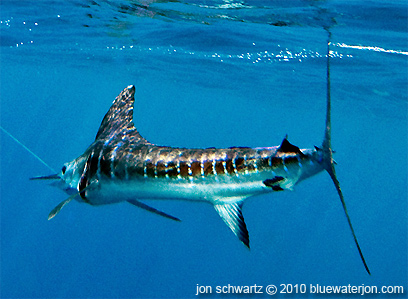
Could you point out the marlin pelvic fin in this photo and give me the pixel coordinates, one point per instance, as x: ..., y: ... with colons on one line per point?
x: 231, y: 213
x: 328, y: 162
x: 151, y: 209
x: 119, y: 118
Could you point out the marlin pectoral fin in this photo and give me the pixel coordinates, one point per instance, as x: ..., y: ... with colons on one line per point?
x: 58, y: 208
x: 151, y: 209
x: 231, y: 213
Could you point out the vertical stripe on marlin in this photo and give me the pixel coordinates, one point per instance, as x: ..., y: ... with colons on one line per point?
x: 183, y: 169
x: 229, y: 166
x: 92, y: 163
x: 104, y: 163
x: 208, y: 168
x: 160, y: 169
x: 172, y: 169
x: 195, y: 168
x: 219, y: 167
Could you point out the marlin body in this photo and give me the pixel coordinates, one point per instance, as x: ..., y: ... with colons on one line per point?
x: 120, y: 165
x: 125, y: 166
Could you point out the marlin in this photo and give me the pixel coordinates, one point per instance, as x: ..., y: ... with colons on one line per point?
x: 121, y: 165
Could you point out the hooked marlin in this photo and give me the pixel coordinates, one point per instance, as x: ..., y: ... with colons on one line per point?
x: 121, y: 165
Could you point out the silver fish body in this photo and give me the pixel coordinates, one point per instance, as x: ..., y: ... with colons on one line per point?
x: 121, y: 165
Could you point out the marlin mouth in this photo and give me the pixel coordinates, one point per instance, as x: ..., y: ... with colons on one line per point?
x: 46, y: 177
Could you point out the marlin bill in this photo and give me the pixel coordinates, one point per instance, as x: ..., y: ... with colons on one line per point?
x: 121, y: 165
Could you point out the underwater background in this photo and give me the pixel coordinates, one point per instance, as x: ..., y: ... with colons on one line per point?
x: 207, y: 74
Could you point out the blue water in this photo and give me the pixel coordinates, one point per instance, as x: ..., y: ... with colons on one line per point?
x: 207, y: 73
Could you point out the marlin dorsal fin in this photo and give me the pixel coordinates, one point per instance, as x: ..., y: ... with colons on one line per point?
x: 231, y: 213
x: 119, y: 118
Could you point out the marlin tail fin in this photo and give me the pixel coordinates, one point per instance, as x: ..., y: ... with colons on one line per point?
x: 328, y: 155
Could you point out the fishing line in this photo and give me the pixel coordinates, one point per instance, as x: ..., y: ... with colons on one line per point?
x: 27, y: 149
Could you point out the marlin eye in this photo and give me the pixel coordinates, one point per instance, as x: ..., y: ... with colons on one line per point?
x: 64, y: 168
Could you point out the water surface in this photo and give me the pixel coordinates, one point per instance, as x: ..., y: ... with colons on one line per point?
x: 207, y: 73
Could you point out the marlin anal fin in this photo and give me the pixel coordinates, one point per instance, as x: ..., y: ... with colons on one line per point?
x: 231, y: 213
x: 151, y: 209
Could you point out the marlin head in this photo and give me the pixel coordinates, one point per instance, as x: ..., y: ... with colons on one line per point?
x: 67, y: 179
x: 71, y: 173
x: 80, y: 177
x: 69, y: 176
